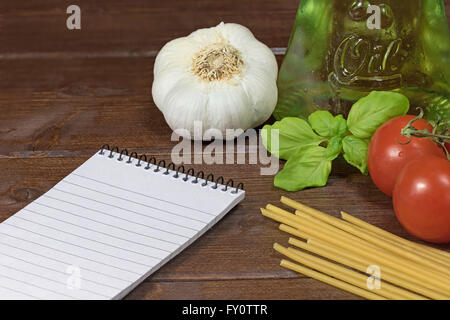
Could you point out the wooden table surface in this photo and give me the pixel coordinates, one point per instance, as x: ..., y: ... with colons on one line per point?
x: 65, y: 93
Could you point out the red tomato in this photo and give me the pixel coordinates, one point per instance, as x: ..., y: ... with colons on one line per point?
x: 422, y: 199
x: 387, y: 156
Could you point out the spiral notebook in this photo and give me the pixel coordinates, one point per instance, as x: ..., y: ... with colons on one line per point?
x: 107, y: 226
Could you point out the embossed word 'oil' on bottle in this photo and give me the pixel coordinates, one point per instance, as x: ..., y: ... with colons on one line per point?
x: 340, y: 50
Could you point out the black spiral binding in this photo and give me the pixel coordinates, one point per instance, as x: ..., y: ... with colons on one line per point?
x: 179, y: 171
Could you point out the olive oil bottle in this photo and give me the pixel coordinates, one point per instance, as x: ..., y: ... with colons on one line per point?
x: 340, y: 50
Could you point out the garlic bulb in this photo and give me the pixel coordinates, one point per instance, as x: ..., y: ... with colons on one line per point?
x: 221, y: 76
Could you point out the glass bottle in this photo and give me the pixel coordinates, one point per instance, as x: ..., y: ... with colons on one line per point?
x: 340, y: 50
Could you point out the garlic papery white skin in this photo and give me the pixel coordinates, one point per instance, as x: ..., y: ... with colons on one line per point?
x: 222, y: 76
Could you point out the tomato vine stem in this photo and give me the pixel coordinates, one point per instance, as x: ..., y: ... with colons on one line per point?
x: 440, y: 137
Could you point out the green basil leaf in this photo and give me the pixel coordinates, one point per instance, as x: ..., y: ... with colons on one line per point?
x: 355, y: 152
x: 293, y: 134
x: 340, y: 126
x: 334, y: 148
x: 308, y: 167
x: 322, y: 122
x: 326, y: 125
x: 368, y: 113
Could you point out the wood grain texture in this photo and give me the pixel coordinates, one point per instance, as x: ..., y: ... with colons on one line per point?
x: 133, y: 27
x: 67, y: 107
x: 63, y: 94
x: 284, y: 289
x: 65, y: 104
x: 130, y: 27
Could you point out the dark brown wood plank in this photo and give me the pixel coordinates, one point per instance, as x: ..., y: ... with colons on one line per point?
x: 78, y: 104
x: 135, y: 26
x: 66, y: 107
x: 273, y: 289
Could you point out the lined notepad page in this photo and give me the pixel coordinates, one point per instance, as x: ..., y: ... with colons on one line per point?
x: 103, y: 229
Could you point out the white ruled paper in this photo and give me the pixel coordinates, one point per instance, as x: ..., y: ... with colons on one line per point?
x: 105, y: 228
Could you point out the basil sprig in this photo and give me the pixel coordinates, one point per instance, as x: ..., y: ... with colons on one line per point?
x: 310, y: 146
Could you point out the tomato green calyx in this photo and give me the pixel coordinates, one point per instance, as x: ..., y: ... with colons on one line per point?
x: 440, y: 136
